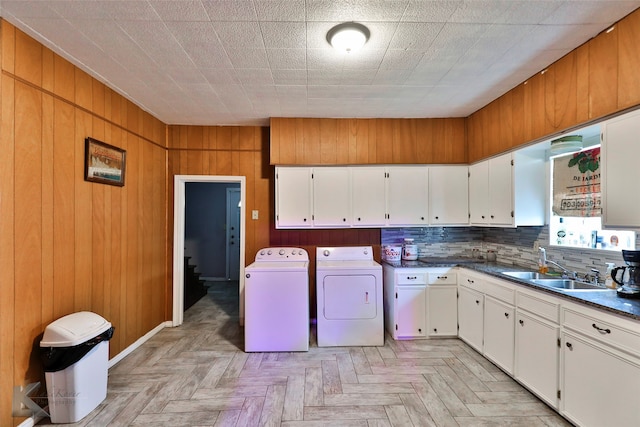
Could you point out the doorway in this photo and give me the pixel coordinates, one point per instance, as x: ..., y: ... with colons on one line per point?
x: 179, y: 209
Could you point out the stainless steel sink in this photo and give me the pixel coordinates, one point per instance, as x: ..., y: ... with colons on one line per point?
x: 568, y: 284
x: 524, y: 275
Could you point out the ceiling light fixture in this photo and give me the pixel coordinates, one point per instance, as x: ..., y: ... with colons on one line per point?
x: 348, y: 36
x: 566, y: 144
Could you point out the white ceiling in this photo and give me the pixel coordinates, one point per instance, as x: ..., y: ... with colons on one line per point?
x: 239, y: 62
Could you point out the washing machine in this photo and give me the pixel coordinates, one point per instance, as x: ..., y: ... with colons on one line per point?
x: 276, y: 292
x: 349, y: 297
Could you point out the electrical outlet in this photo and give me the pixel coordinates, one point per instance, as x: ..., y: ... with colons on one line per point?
x: 536, y: 245
x: 254, y: 214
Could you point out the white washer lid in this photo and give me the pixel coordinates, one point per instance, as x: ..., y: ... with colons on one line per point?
x: 278, y: 266
x: 74, y: 329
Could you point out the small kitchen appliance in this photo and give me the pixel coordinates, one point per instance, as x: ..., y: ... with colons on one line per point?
x: 629, y: 278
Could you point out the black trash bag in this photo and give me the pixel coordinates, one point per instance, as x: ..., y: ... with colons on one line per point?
x: 56, y: 359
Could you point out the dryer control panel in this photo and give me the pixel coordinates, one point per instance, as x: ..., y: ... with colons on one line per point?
x: 345, y: 253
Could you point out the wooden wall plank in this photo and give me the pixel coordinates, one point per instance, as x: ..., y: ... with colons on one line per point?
x: 28, y: 59
x: 331, y: 138
x: 48, y: 248
x: 7, y: 243
x: 28, y: 228
x: 566, y: 92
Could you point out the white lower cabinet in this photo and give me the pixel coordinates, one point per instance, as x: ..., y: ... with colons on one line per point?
x: 470, y: 317
x: 600, y: 370
x: 499, y: 334
x: 410, y: 309
x: 442, y: 311
x: 537, y: 356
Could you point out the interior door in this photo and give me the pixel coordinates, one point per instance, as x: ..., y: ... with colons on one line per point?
x: 233, y: 233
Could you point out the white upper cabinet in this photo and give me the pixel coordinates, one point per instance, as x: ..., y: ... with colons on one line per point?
x: 620, y: 149
x: 368, y: 196
x: 508, y: 190
x: 293, y: 198
x: 331, y: 197
x: 448, y: 195
x: 408, y: 199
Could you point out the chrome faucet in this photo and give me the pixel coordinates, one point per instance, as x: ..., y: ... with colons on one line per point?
x: 565, y: 273
x: 593, y: 277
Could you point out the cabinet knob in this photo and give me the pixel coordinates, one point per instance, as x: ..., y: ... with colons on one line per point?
x: 491, y: 216
x: 521, y: 322
x: 569, y: 345
x: 359, y: 219
x: 344, y: 219
x: 421, y: 218
x: 477, y: 301
x: 436, y: 217
x: 420, y: 330
x: 482, y: 216
x: 435, y: 330
x: 506, y: 315
x: 304, y: 219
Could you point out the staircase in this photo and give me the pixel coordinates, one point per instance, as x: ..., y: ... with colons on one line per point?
x: 194, y: 288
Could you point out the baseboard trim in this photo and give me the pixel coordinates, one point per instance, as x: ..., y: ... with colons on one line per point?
x: 127, y: 351
x: 31, y: 421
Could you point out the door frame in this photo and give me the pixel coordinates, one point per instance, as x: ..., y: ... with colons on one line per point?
x: 229, y: 210
x: 179, y: 182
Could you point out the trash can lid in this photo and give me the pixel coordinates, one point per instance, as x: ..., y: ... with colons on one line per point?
x: 74, y: 329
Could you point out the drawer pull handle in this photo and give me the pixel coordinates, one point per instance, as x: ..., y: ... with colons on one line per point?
x: 521, y: 322
x: 470, y: 281
x: 412, y: 277
x: 601, y: 330
x: 442, y: 277
x: 569, y: 346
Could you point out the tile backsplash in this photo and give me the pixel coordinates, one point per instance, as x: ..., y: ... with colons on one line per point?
x: 513, y: 246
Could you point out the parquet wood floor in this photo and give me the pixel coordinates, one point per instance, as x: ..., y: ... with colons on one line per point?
x: 198, y: 375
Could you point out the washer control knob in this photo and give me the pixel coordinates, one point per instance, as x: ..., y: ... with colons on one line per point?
x: 366, y: 252
x: 326, y: 252
x: 269, y: 252
x: 293, y: 252
x: 262, y: 252
x: 281, y: 252
x: 300, y: 252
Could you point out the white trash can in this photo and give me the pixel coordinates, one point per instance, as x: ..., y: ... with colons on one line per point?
x: 75, y: 354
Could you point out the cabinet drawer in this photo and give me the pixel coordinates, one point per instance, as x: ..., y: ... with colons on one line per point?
x: 471, y: 282
x: 443, y: 278
x: 500, y: 292
x: 545, y: 309
x: 600, y: 329
x: 411, y: 279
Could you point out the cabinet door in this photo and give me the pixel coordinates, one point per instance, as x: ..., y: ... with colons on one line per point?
x: 442, y: 310
x: 536, y: 356
x: 448, y: 195
x: 293, y: 197
x: 407, y: 190
x: 620, y: 151
x: 499, y: 332
x: 479, y: 193
x: 368, y: 196
x: 470, y: 317
x: 331, y: 197
x: 501, y: 190
x: 410, y: 311
x: 599, y: 387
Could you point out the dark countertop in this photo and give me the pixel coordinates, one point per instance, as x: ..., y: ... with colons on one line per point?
x: 606, y: 299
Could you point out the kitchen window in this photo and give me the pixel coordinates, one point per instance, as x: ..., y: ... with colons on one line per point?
x: 576, y: 210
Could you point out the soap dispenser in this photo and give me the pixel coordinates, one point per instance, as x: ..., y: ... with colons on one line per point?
x: 608, y: 278
x: 542, y: 261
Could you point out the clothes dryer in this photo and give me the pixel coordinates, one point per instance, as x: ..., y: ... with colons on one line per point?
x: 349, y: 297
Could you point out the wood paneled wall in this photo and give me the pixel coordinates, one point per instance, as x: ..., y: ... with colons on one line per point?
x: 67, y: 245
x: 231, y: 151
x: 299, y: 141
x: 595, y: 80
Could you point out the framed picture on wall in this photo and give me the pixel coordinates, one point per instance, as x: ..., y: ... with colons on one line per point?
x: 104, y: 163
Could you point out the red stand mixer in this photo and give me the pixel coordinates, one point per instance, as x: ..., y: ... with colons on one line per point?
x: 629, y: 279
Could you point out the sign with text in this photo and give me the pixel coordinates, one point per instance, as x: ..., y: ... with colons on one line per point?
x: 576, y: 184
